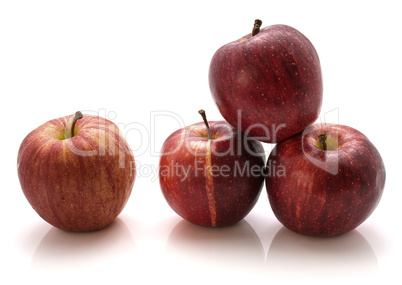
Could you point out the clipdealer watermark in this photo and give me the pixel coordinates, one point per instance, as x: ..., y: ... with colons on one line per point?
x: 149, y: 137
x: 148, y: 140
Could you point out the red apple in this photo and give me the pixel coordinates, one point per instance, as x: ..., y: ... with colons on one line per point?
x: 211, y: 175
x: 77, y: 173
x: 326, y: 181
x: 268, y: 84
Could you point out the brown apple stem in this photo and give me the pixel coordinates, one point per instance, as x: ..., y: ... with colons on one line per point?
x: 322, y: 138
x: 78, y: 115
x: 256, y: 28
x: 204, y: 117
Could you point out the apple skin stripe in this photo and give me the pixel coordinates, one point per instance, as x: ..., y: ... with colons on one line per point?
x: 209, y: 183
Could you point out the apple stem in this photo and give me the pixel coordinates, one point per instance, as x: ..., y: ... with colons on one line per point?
x: 256, y: 28
x: 204, y: 117
x: 78, y: 115
x: 322, y: 138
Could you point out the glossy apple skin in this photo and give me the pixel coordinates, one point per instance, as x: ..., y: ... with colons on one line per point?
x: 80, y: 183
x: 214, y: 192
x: 325, y: 192
x: 268, y: 85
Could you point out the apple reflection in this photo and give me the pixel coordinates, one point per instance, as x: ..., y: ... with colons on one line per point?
x: 231, y: 247
x: 68, y: 251
x: 295, y: 256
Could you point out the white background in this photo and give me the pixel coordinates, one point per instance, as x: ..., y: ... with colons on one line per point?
x: 130, y: 60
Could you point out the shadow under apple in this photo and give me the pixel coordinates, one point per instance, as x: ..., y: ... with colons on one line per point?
x: 69, y: 251
x: 295, y: 256
x: 236, y: 246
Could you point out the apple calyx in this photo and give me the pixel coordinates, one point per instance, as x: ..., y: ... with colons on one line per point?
x: 78, y: 115
x: 256, y: 28
x: 322, y: 139
x: 204, y: 117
